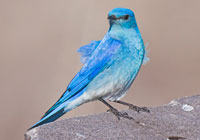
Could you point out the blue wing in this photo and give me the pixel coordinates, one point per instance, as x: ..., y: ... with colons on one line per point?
x: 87, y: 50
x: 98, y: 59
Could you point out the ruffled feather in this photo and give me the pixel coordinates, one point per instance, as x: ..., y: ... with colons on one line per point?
x: 87, y: 50
x: 146, y: 59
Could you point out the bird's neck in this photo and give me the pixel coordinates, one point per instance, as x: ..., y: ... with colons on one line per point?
x: 120, y: 33
x: 127, y: 36
x: 130, y: 38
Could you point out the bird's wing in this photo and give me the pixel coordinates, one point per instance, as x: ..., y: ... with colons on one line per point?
x: 87, y: 50
x: 96, y: 63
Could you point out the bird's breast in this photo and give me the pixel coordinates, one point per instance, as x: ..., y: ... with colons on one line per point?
x: 114, y: 81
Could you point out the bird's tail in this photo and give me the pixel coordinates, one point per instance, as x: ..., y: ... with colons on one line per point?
x: 55, y: 114
x: 58, y: 109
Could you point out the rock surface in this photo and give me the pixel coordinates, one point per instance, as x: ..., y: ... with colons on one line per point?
x: 178, y: 120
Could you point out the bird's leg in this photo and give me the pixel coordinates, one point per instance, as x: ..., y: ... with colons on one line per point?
x: 133, y: 107
x: 116, y: 112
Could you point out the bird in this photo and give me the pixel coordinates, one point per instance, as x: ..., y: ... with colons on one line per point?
x: 109, y: 68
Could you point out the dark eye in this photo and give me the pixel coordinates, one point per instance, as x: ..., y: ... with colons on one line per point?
x: 126, y: 17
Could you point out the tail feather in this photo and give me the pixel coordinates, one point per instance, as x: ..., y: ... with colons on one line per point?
x: 55, y: 105
x: 50, y: 118
x: 59, y: 109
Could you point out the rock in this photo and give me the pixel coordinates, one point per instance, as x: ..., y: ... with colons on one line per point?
x: 178, y: 120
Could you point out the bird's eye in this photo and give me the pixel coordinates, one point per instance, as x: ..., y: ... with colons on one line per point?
x: 126, y: 17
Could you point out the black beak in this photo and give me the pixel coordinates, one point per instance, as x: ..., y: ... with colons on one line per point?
x: 112, y: 17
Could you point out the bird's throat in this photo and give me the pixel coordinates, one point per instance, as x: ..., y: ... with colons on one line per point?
x: 119, y: 33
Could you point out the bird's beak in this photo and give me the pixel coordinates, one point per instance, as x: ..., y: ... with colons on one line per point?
x: 112, y: 17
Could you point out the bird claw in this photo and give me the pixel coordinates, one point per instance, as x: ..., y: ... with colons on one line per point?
x: 120, y: 114
x: 138, y: 109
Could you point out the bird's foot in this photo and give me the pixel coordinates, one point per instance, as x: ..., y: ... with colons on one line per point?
x: 133, y: 107
x: 120, y: 114
x: 138, y: 109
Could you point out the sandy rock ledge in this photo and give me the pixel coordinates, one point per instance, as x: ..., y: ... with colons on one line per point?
x: 178, y: 120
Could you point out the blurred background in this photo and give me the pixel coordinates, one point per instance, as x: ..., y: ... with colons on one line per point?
x: 38, y: 58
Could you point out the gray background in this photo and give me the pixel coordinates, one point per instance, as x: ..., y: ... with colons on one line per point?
x: 38, y: 43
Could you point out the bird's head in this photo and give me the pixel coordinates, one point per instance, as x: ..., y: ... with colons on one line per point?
x: 122, y: 17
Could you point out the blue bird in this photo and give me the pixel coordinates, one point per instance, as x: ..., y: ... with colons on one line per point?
x: 110, y: 67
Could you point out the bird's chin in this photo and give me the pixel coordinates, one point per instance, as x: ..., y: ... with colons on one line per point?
x: 111, y: 22
x: 116, y: 22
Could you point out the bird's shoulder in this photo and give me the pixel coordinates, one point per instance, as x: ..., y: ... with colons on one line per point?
x: 87, y: 50
x: 98, y: 49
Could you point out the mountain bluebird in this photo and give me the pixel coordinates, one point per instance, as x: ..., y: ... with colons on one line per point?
x: 110, y: 67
